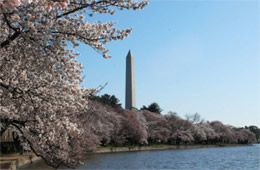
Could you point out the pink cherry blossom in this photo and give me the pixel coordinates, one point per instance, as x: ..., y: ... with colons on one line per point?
x: 40, y: 92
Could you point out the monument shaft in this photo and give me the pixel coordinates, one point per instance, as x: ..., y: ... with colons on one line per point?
x: 130, y: 82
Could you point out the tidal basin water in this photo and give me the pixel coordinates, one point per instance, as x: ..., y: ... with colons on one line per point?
x: 219, y: 158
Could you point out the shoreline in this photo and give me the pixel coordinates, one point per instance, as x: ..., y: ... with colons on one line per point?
x: 16, y: 161
x: 114, y: 149
x: 21, y: 161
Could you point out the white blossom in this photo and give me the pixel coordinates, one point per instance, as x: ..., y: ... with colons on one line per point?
x: 40, y: 93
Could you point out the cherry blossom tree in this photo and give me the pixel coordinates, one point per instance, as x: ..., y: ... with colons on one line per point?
x: 134, y: 127
x: 158, y: 129
x: 198, y: 133
x: 180, y: 130
x: 250, y: 136
x: 243, y: 136
x: 40, y: 93
x: 224, y: 132
x: 104, y: 122
x: 115, y: 125
x: 211, y: 135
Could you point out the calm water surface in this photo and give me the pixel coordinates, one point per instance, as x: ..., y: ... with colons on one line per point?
x: 220, y: 158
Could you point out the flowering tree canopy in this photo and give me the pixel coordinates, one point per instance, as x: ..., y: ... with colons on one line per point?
x: 180, y: 129
x: 158, y: 128
x: 134, y: 127
x: 40, y: 94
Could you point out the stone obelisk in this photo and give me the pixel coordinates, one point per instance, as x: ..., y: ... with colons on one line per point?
x: 130, y: 82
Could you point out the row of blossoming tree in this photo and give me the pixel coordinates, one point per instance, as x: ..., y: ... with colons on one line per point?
x: 119, y: 126
x: 40, y: 94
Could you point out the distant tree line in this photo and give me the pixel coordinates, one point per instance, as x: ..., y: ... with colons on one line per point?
x: 117, y: 126
x: 154, y: 107
x: 107, y: 99
x: 255, y: 130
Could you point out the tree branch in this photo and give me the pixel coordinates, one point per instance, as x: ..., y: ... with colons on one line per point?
x: 10, y: 39
x: 12, y: 121
x: 17, y: 32
x: 72, y: 11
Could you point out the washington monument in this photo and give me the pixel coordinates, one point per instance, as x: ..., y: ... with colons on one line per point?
x: 130, y: 82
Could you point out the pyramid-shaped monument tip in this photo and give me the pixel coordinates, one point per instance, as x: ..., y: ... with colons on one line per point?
x: 129, y: 54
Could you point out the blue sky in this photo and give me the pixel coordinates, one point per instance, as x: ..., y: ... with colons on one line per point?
x: 190, y: 56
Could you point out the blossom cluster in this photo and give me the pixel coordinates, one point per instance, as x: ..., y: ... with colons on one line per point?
x: 40, y: 76
x: 49, y: 4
